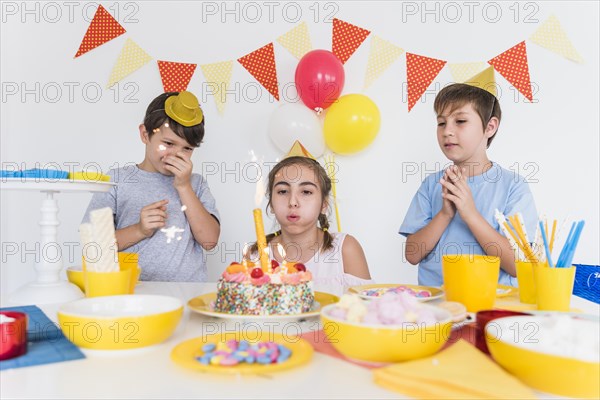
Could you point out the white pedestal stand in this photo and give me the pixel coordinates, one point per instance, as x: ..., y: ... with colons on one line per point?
x: 48, y: 288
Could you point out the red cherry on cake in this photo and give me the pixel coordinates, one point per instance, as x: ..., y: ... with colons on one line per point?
x: 300, y: 267
x: 274, y: 264
x: 257, y: 273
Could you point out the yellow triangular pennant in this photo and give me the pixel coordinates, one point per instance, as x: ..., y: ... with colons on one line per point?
x: 551, y: 36
x: 298, y: 150
x: 131, y: 58
x: 485, y: 80
x: 296, y: 41
x: 381, y: 56
x: 218, y: 76
x: 462, y: 72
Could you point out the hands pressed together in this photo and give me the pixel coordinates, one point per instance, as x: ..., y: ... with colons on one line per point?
x: 456, y: 193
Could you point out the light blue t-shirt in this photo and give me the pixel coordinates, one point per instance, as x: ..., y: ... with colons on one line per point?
x: 169, y: 255
x: 496, y: 188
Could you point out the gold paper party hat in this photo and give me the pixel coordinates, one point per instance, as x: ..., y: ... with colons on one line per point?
x: 184, y: 108
x: 298, y: 150
x: 484, y: 80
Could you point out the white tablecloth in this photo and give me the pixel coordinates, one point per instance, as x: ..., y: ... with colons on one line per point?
x: 150, y: 373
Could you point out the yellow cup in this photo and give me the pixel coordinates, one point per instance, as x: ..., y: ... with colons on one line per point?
x: 526, y: 282
x: 554, y: 287
x: 113, y: 283
x: 471, y: 280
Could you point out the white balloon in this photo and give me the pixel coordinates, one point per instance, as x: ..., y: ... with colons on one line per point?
x: 293, y: 121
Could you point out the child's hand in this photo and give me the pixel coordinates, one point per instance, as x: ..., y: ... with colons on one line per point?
x: 458, y: 191
x: 448, y: 207
x: 180, y: 165
x: 153, y: 217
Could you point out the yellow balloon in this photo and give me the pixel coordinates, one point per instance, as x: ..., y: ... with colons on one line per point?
x: 351, y: 124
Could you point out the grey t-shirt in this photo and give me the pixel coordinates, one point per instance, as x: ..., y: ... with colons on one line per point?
x: 171, y: 254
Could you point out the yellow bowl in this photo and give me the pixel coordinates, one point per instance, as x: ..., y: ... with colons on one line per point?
x: 525, y: 347
x: 120, y: 322
x: 75, y: 276
x: 386, y: 343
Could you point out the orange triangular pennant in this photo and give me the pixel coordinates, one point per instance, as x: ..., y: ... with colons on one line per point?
x: 346, y: 39
x: 420, y: 72
x: 175, y: 76
x: 512, y: 65
x: 102, y: 29
x: 261, y: 65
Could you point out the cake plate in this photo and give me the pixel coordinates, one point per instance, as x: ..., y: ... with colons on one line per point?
x: 48, y: 287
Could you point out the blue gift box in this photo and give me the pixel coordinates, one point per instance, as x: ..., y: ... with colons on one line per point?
x: 587, y: 282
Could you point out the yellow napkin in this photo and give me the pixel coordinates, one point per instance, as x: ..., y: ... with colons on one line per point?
x: 459, y: 372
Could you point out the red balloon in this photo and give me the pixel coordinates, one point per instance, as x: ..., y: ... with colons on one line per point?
x: 319, y: 79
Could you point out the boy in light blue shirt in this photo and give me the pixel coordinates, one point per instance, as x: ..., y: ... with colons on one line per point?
x: 453, y: 210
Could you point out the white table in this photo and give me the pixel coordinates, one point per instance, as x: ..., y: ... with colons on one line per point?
x: 150, y: 373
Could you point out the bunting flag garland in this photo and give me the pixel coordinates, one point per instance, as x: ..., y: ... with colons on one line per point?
x: 381, y: 56
x: 218, y: 77
x: 512, y: 65
x: 461, y: 72
x: 296, y: 41
x: 131, y: 58
x: 420, y: 72
x: 175, y: 76
x: 102, y: 29
x: 346, y: 39
x: 484, y: 80
x: 551, y: 36
x: 261, y: 65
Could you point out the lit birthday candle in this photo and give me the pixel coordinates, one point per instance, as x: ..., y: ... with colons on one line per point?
x: 261, y: 239
x: 281, y: 250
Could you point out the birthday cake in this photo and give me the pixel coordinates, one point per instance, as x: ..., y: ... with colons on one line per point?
x: 248, y: 290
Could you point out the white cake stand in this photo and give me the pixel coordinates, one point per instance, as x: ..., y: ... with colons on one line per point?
x: 48, y: 287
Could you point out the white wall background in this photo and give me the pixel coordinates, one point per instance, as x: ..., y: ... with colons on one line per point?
x: 554, y: 141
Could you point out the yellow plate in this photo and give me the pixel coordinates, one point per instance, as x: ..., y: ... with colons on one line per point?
x: 202, y: 305
x: 436, y: 293
x: 505, y: 290
x: 185, y: 353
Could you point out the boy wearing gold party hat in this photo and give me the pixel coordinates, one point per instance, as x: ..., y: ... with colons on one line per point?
x: 453, y: 210
x: 162, y: 210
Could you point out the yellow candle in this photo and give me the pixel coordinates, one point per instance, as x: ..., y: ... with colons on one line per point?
x: 261, y: 239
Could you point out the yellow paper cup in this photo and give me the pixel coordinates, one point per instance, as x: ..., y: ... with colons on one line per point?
x: 129, y: 262
x: 526, y: 282
x: 554, y: 287
x: 129, y: 271
x: 471, y: 280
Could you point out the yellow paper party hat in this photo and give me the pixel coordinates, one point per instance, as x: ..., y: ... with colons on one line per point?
x: 298, y: 150
x: 484, y: 80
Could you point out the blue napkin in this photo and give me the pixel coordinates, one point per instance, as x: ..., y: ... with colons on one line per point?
x: 35, y: 173
x: 47, y: 344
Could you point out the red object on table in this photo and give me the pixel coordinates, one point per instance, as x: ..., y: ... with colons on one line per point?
x: 13, y: 335
x: 483, y: 318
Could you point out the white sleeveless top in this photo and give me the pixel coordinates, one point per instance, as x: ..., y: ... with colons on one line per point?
x: 327, y: 269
